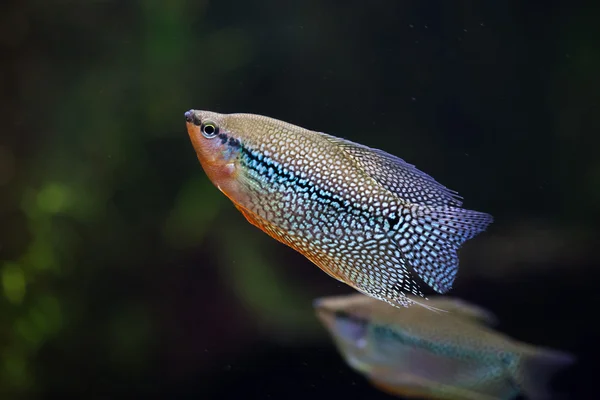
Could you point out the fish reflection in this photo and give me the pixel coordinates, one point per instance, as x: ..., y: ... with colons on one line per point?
x: 413, y: 352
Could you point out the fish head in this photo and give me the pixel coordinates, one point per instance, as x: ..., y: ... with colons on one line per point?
x: 345, y: 320
x: 226, y: 144
x: 349, y: 324
x: 217, y: 147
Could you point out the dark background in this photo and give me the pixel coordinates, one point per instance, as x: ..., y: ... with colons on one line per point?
x: 125, y: 272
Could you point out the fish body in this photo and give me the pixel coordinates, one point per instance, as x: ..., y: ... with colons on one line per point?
x: 412, y: 352
x: 365, y: 217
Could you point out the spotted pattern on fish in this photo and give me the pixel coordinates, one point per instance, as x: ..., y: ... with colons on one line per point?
x: 478, y: 351
x: 453, y: 355
x: 365, y: 217
x: 399, y: 177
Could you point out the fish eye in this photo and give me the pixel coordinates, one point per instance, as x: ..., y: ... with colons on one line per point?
x: 209, y: 129
x: 349, y: 327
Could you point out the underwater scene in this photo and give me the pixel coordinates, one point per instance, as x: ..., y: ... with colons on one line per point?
x: 299, y: 199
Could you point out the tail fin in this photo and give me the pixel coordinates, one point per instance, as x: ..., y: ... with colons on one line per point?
x: 536, y: 369
x: 432, y: 238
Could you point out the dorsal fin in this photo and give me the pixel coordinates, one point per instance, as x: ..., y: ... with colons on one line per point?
x: 463, y: 309
x: 398, y: 176
x: 438, y: 225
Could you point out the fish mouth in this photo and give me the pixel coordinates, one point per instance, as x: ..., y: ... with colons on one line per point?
x: 324, y: 313
x: 328, y: 313
x: 191, y: 117
x: 318, y: 303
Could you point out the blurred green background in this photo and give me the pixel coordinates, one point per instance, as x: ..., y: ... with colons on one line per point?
x: 124, y: 271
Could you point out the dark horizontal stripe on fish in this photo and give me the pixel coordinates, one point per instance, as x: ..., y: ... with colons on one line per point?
x: 272, y: 172
x: 383, y: 333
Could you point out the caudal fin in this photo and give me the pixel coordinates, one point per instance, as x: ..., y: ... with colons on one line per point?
x: 430, y: 240
x: 536, y: 369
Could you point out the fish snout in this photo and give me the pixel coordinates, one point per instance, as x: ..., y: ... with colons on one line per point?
x: 192, y: 118
x: 318, y: 303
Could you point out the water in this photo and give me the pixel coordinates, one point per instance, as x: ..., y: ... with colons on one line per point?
x: 124, y: 271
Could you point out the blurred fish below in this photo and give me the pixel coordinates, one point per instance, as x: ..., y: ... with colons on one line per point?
x: 456, y: 354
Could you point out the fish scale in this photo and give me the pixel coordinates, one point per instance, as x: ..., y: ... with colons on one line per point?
x: 365, y: 217
x: 321, y: 220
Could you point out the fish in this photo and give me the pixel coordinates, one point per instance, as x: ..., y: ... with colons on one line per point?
x: 365, y: 217
x: 411, y: 352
